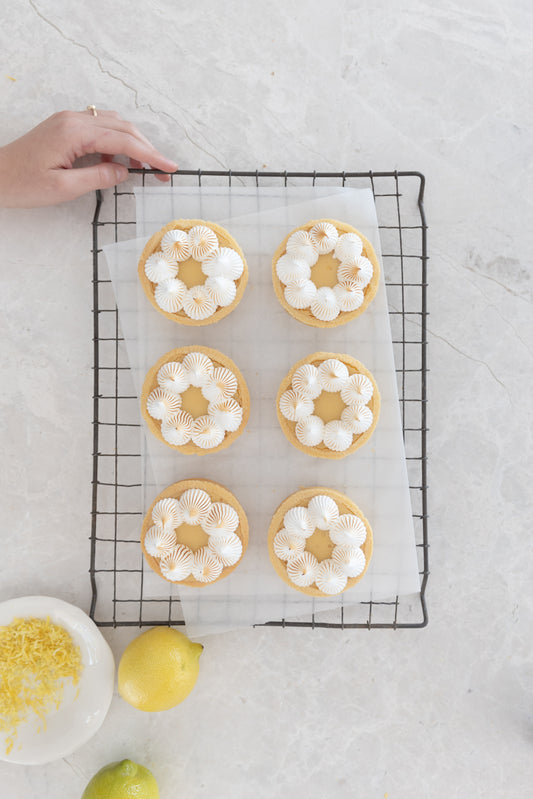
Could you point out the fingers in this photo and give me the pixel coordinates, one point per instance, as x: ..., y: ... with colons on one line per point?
x: 113, y: 142
x: 113, y: 121
x: 72, y: 183
x: 137, y: 165
x: 140, y: 151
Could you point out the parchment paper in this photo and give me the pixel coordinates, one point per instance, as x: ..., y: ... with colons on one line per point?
x: 262, y: 468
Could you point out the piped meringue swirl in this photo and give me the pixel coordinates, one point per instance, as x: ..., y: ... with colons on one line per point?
x: 295, y: 407
x: 195, y: 505
x: 298, y: 521
x: 349, y: 559
x: 323, y: 511
x: 349, y: 246
x: 221, y: 519
x: 348, y: 529
x: 220, y: 385
x: 333, y: 374
x: 167, y: 513
x: 203, y: 241
x: 300, y: 245
x: 162, y: 403
x: 357, y: 389
x: 302, y: 569
x: 170, y: 294
x: 206, y: 566
x: 330, y: 579
x: 227, y: 413
x: 176, y: 245
x: 222, y: 290
x: 177, y: 563
x: 307, y: 381
x: 160, y: 267
x: 324, y: 236
x: 224, y: 262
x: 206, y: 433
x: 357, y: 418
x: 198, y: 367
x: 300, y: 293
x: 177, y: 429
x: 310, y: 431
x: 173, y: 377
x: 227, y: 548
x: 198, y: 303
x: 288, y: 545
x: 159, y: 540
x: 290, y: 269
x: 337, y: 436
x: 325, y: 305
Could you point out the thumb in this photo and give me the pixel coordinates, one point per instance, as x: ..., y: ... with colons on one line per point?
x: 76, y: 182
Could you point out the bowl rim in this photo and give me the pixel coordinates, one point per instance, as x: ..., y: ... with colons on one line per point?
x: 68, y: 616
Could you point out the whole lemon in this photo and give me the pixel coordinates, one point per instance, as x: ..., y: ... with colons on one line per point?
x: 158, y: 669
x: 122, y: 780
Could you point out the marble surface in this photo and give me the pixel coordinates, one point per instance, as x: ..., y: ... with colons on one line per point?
x: 440, y: 712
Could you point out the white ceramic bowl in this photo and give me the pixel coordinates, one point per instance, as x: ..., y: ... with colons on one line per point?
x: 77, y: 718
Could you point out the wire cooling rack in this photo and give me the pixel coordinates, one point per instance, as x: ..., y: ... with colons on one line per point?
x: 116, y: 569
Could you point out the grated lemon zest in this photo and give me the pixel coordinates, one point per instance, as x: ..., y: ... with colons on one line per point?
x: 36, y: 657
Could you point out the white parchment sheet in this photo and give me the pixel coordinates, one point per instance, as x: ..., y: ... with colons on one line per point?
x: 262, y: 468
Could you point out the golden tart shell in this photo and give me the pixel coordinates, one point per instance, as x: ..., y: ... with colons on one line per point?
x: 321, y: 451
x: 217, y: 493
x: 304, y: 315
x: 242, y: 395
x: 225, y: 240
x: 303, y: 497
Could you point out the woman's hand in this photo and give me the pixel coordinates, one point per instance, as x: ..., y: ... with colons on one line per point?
x: 37, y: 169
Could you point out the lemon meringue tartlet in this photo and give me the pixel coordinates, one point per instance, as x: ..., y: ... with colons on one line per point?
x: 193, y: 272
x: 195, y: 533
x: 325, y: 273
x: 195, y: 400
x: 328, y: 405
x: 319, y: 542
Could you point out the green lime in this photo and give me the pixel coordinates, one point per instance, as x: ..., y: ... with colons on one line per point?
x: 122, y: 780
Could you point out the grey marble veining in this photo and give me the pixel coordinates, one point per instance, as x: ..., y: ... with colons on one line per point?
x: 442, y: 712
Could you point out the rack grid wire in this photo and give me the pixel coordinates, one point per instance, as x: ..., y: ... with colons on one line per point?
x: 116, y: 569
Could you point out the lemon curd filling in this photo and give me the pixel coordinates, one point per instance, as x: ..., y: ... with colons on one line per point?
x: 320, y: 544
x: 190, y: 272
x: 329, y: 406
x: 325, y: 271
x: 194, y: 402
x: 191, y: 536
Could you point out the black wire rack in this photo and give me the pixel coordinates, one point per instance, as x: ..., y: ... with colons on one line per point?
x: 116, y: 568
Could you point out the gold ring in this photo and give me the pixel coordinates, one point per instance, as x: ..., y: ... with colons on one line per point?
x: 92, y: 109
